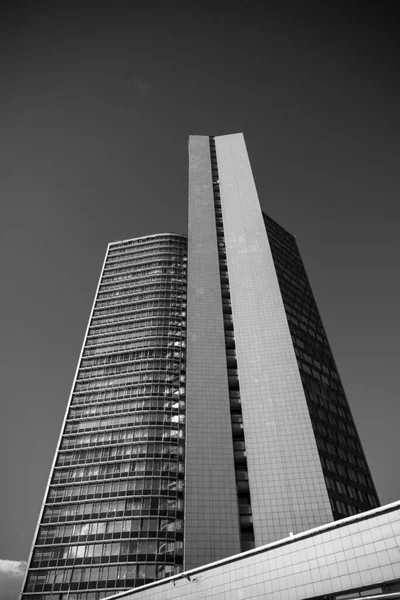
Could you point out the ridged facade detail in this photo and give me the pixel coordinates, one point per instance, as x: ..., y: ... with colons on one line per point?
x: 113, y: 512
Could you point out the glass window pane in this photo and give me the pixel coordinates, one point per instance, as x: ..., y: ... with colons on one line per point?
x: 131, y: 571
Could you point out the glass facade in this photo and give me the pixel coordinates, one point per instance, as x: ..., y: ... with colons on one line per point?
x: 238, y: 435
x: 348, y: 480
x: 113, y: 511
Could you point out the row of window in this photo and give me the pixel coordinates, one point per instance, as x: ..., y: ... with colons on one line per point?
x: 328, y: 398
x: 162, y: 240
x: 168, y: 256
x: 152, y: 396
x: 98, y: 575
x: 113, y: 452
x: 136, y: 418
x: 142, y: 274
x: 128, y: 394
x: 318, y: 376
x: 140, y: 354
x: 330, y: 419
x: 133, y: 296
x: 126, y: 435
x: 133, y: 303
x: 134, y: 313
x: 117, y: 469
x: 315, y: 341
x: 176, y: 244
x: 333, y: 450
x: 166, y: 259
x: 160, y: 265
x: 149, y: 397
x: 110, y: 526
x: 300, y: 330
x: 124, y: 406
x: 351, y: 492
x: 145, y: 275
x: 278, y: 234
x: 301, y: 303
x: 159, y: 285
x: 156, y: 335
x: 315, y: 363
x: 78, y: 510
x: 115, y: 488
x: 145, y: 283
x: 119, y: 353
x: 98, y: 595
x: 325, y: 424
x: 87, y: 551
x: 337, y: 436
x: 293, y: 279
x: 308, y: 318
x: 159, y: 243
x: 156, y: 377
x: 128, y: 504
x: 156, y: 364
x: 175, y: 327
x: 140, y: 323
x: 330, y: 407
x: 340, y: 469
x: 343, y: 508
x: 179, y: 259
x: 305, y: 308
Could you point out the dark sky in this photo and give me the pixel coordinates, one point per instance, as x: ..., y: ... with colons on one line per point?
x: 96, y: 106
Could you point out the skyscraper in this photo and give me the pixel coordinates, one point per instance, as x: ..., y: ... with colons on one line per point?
x: 207, y: 414
x: 113, y: 512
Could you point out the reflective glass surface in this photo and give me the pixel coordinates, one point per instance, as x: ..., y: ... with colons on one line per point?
x: 348, y: 480
x: 113, y: 513
x: 238, y: 438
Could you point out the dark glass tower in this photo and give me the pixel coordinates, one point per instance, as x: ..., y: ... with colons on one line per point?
x: 113, y: 512
x: 154, y: 474
x: 347, y: 476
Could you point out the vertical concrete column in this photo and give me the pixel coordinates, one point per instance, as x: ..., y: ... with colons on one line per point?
x: 211, y: 511
x: 287, y: 487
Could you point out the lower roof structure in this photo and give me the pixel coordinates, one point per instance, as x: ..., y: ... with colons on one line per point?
x: 356, y: 557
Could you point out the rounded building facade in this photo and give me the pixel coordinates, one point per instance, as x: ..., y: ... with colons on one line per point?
x: 112, y: 517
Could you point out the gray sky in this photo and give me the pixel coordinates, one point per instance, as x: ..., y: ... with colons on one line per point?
x: 95, y: 110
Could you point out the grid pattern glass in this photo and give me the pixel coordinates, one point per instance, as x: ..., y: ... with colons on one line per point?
x: 239, y: 446
x: 113, y: 512
x: 349, y: 483
x: 211, y: 508
x: 286, y: 481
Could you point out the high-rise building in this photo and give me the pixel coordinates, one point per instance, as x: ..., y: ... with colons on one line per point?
x: 207, y: 415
